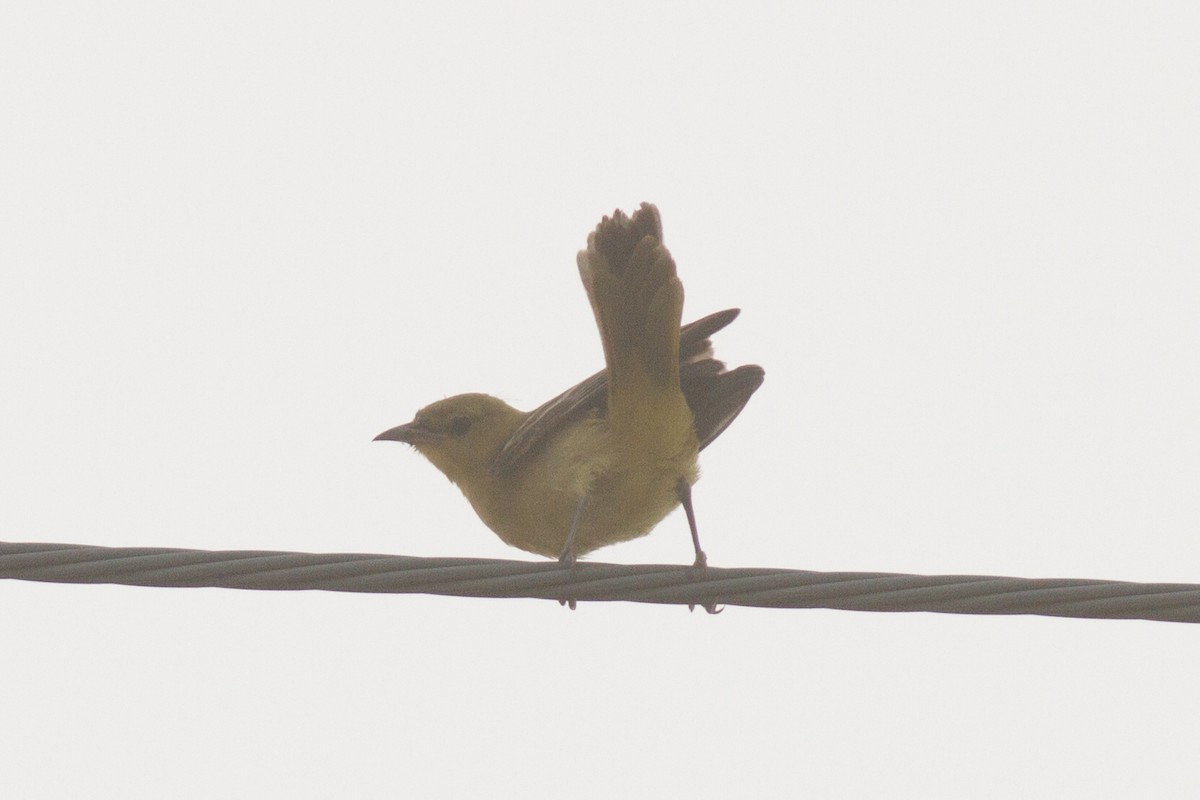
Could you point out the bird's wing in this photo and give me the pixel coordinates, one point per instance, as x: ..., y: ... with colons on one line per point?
x: 715, y: 396
x: 698, y: 371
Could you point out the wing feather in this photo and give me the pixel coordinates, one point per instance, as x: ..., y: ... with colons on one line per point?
x: 715, y: 396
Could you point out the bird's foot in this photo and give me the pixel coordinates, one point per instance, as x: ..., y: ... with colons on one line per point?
x: 699, y: 565
x: 568, y: 560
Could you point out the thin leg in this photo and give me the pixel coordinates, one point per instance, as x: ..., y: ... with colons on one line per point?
x: 685, y: 497
x: 568, y: 552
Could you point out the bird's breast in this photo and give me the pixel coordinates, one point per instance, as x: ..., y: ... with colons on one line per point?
x: 630, y: 484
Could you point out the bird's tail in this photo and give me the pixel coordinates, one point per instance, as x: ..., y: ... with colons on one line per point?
x: 638, y: 302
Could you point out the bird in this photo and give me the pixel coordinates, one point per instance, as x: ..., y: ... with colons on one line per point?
x: 609, y: 458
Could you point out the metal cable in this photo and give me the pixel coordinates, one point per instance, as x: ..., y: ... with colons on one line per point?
x: 588, y: 581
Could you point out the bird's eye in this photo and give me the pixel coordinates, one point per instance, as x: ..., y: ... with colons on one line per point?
x: 459, y: 426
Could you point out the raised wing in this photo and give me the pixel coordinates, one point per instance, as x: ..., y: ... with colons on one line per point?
x: 715, y: 396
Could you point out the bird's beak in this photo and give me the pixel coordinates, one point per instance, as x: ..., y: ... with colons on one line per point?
x: 409, y: 433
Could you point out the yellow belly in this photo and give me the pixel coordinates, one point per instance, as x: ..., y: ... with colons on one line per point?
x: 630, y: 481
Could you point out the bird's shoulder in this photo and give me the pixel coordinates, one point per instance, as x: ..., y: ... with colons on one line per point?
x: 587, y: 399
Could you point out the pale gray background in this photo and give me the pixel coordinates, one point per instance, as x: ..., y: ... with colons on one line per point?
x: 240, y: 239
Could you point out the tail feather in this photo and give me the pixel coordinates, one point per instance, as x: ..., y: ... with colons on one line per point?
x: 637, y: 299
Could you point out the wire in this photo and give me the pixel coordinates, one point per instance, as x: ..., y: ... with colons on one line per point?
x: 589, y: 581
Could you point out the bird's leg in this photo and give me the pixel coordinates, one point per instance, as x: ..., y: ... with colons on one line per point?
x: 568, y: 552
x: 567, y: 558
x: 685, y: 497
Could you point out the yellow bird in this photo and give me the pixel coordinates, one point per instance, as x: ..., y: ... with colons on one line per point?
x: 606, y: 460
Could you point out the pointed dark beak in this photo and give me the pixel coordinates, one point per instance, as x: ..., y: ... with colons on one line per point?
x: 409, y: 433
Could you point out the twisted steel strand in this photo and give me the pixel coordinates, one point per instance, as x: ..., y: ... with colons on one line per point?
x: 588, y: 581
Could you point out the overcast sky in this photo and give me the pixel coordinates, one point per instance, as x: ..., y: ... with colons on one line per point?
x: 240, y: 239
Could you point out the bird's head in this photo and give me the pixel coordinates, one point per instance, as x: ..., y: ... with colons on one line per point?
x: 460, y: 435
